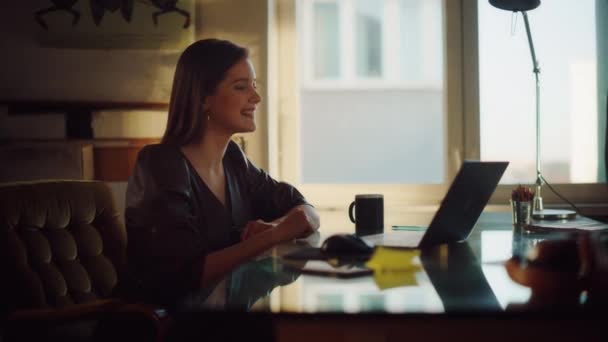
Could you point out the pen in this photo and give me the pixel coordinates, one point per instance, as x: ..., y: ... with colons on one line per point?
x: 409, y: 228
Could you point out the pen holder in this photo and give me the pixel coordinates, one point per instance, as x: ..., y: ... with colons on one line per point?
x: 522, y: 212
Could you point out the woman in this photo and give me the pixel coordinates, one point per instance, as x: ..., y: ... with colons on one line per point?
x: 196, y: 206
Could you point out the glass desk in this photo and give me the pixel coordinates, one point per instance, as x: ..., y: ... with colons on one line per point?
x: 463, y: 281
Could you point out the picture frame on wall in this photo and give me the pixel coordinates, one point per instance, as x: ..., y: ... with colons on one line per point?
x: 114, y: 24
x: 118, y: 51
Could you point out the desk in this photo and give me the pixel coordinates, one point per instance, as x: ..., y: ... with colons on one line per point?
x: 463, y: 282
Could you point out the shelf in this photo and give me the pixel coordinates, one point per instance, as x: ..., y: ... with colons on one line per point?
x: 56, y: 106
x: 78, y: 114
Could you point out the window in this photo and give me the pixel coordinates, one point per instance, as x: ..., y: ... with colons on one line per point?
x: 368, y: 39
x: 390, y: 96
x: 372, y: 99
x: 564, y: 35
x: 326, y: 32
x: 367, y: 43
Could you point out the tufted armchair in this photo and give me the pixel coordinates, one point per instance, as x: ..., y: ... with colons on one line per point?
x: 62, y: 254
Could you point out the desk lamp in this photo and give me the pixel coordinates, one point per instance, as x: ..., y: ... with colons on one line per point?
x: 539, y: 212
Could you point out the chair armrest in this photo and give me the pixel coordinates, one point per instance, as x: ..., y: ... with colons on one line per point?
x: 78, y: 311
x: 135, y: 321
x: 117, y: 319
x: 152, y: 312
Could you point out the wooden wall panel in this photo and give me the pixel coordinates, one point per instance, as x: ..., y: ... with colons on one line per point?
x: 114, y: 159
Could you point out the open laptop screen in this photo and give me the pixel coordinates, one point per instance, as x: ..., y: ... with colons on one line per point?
x: 465, y: 200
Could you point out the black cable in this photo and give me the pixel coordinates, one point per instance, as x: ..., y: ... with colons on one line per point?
x: 560, y: 196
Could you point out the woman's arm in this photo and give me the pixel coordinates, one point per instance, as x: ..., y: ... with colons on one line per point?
x: 298, y: 222
x: 312, y: 217
x: 255, y: 227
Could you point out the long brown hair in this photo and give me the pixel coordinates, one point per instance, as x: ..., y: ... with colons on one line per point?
x: 200, y: 68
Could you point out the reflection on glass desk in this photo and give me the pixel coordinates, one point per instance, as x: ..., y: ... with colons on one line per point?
x: 466, y: 277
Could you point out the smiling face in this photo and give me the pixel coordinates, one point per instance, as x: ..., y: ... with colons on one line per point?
x: 231, y: 108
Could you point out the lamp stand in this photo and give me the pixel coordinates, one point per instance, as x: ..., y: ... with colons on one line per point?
x: 539, y: 212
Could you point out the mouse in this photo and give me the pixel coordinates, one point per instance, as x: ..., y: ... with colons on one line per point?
x: 345, y: 244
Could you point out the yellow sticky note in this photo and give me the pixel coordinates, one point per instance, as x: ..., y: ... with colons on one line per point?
x: 394, y: 267
x: 389, y: 279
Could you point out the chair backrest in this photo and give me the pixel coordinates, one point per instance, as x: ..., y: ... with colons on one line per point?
x: 61, y: 243
x: 31, y: 160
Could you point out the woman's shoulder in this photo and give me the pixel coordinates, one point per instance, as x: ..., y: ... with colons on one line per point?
x: 160, y: 156
x: 160, y: 151
x: 164, y: 164
x: 235, y: 154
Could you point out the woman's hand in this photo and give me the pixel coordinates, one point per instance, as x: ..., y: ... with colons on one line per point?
x: 255, y: 227
x: 298, y: 223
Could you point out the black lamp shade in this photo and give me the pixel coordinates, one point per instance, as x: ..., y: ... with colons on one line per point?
x: 515, y: 5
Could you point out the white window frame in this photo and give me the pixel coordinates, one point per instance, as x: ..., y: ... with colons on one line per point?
x: 461, y: 86
x: 348, y: 79
x: 592, y: 195
x: 332, y: 197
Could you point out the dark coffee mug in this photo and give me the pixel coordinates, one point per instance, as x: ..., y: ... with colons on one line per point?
x: 369, y: 214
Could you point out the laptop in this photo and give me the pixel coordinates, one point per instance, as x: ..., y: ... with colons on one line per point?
x: 460, y: 208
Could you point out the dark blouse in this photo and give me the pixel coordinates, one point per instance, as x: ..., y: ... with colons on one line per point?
x: 173, y: 219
